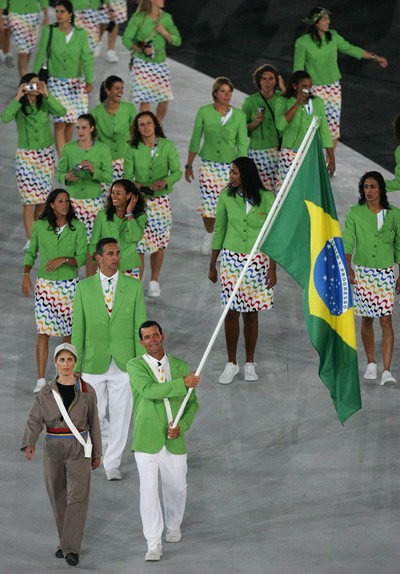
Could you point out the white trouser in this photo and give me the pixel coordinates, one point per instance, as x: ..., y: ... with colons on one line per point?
x: 173, y: 468
x: 113, y: 389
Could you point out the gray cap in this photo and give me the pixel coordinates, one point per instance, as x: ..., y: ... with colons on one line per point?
x: 65, y: 347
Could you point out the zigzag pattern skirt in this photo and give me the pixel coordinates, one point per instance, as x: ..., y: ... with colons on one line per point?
x: 253, y: 294
x: 54, y: 305
x: 119, y: 13
x: 214, y: 177
x: 158, y: 226
x: 267, y: 162
x: 332, y: 96
x: 286, y: 158
x: 25, y: 30
x: 89, y: 20
x: 34, y: 173
x: 86, y: 210
x: 151, y: 82
x: 373, y: 292
x: 71, y: 93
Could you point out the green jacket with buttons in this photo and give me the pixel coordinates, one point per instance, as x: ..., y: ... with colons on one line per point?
x: 140, y: 167
x: 33, y: 126
x: 221, y: 143
x: 264, y: 136
x: 67, y: 59
x: 24, y: 6
x: 235, y: 229
x: 88, y: 184
x: 370, y: 247
x: 114, y: 129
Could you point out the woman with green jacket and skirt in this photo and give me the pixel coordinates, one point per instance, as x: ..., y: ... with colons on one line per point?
x: 34, y: 157
x: 60, y: 240
x: 152, y: 162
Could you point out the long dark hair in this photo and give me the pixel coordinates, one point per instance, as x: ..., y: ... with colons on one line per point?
x: 129, y: 187
x: 250, y: 178
x: 26, y: 79
x: 315, y: 15
x: 92, y: 123
x: 69, y: 8
x: 378, y: 177
x: 295, y: 78
x: 136, y: 136
x: 107, y: 84
x: 48, y: 213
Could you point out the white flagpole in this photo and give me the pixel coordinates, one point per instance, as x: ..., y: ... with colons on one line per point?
x: 279, y: 200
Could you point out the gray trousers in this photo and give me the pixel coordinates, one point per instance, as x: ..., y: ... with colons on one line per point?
x: 67, y: 476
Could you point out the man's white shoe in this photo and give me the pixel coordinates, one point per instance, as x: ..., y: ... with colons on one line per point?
x: 40, y: 383
x: 173, y: 535
x: 372, y: 372
x: 113, y: 474
x: 112, y: 57
x: 205, y: 247
x: 250, y: 372
x: 387, y: 377
x: 154, y: 289
x: 230, y: 371
x: 154, y: 554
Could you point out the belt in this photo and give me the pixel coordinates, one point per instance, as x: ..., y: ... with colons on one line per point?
x: 62, y: 432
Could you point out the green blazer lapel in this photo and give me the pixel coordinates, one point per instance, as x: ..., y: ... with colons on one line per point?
x: 98, y: 297
x: 118, y: 296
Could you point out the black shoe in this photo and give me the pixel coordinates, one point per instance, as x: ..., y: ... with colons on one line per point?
x: 72, y: 559
x: 59, y: 554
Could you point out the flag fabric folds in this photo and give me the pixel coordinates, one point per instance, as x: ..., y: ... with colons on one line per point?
x: 305, y: 239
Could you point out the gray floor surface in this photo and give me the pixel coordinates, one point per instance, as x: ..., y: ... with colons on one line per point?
x: 276, y: 484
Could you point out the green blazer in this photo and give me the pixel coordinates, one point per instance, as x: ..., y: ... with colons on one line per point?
x: 139, y: 166
x: 150, y: 418
x: 235, y: 229
x: 98, y: 337
x: 266, y: 135
x: 294, y: 131
x: 114, y: 129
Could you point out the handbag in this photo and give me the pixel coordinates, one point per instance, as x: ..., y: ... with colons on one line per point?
x: 44, y: 72
x: 87, y: 446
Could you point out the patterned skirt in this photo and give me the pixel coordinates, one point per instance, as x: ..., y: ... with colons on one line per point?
x: 253, y: 294
x: 214, y: 177
x: 267, y: 162
x: 373, y: 291
x: 151, y: 82
x: 132, y: 273
x: 286, y: 158
x: 158, y: 226
x: 71, y: 93
x: 25, y: 31
x: 54, y: 304
x: 89, y: 20
x: 119, y: 13
x: 86, y: 211
x: 332, y: 96
x: 118, y: 172
x: 34, y: 172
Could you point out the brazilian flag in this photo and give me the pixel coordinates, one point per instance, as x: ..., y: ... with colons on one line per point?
x: 305, y: 239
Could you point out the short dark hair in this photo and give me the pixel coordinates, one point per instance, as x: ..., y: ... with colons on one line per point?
x: 148, y: 324
x: 69, y: 8
x: 294, y: 79
x: 257, y: 74
x: 107, y: 84
x: 102, y: 242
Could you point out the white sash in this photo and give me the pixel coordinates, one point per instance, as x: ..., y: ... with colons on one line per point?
x: 87, y: 446
x: 151, y: 362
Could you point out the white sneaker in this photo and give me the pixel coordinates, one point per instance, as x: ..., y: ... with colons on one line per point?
x: 113, y: 474
x: 154, y: 289
x: 154, y: 554
x: 372, y: 372
x: 173, y: 535
x: 387, y: 377
x: 230, y: 371
x: 112, y: 57
x: 96, y: 51
x: 9, y: 60
x: 205, y: 247
x: 40, y: 383
x: 250, y: 372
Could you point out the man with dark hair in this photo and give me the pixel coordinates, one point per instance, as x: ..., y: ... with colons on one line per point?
x: 159, y: 384
x: 108, y: 310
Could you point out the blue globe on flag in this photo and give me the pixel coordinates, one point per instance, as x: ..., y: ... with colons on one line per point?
x: 331, y: 279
